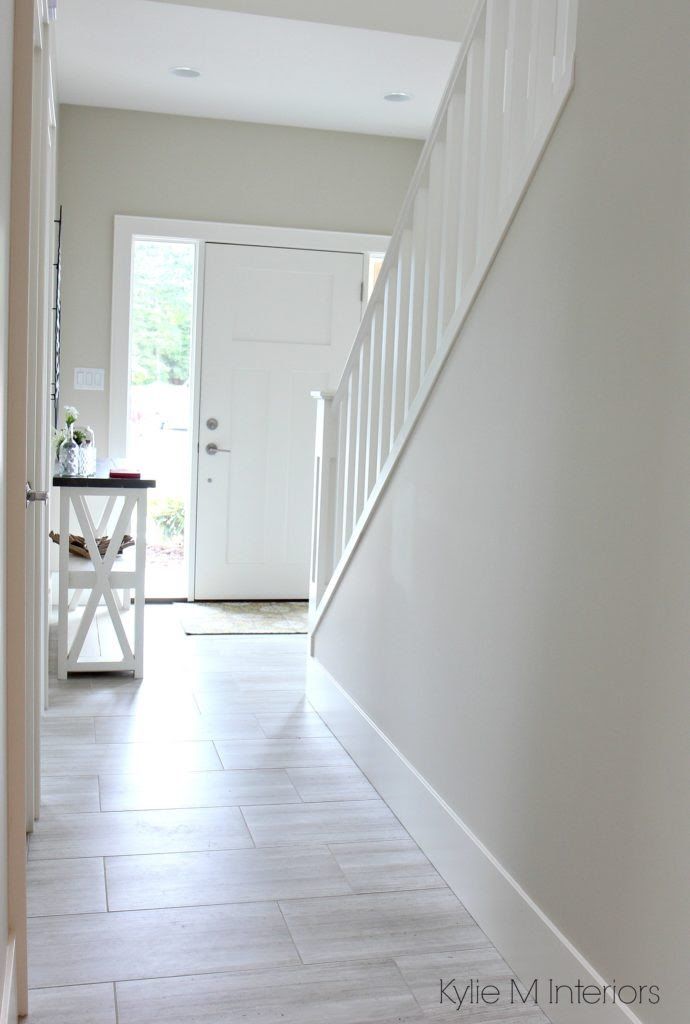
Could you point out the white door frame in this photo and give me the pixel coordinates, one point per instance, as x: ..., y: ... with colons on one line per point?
x: 32, y: 184
x: 126, y: 230
x: 39, y: 422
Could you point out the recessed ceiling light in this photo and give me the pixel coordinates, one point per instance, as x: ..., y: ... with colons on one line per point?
x: 185, y: 72
x: 398, y: 97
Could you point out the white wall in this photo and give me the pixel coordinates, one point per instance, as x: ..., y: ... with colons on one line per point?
x: 516, y: 617
x: 6, y: 19
x: 114, y: 161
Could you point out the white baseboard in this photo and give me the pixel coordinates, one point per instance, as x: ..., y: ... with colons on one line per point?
x: 8, y: 1006
x: 529, y: 942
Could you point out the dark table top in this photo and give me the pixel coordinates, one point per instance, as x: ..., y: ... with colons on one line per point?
x: 101, y: 481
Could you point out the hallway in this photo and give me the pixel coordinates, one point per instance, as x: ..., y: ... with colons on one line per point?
x: 208, y: 852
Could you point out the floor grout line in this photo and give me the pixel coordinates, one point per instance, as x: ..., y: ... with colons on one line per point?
x: 323, y: 843
x: 271, y: 968
x: 105, y: 884
x: 256, y: 901
x: 246, y: 825
x: 220, y: 759
x: 289, y: 931
x: 408, y: 987
x: 287, y: 847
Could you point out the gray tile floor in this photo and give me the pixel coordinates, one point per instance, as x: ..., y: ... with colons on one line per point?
x: 208, y: 853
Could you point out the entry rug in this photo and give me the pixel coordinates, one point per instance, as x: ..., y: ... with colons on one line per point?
x: 219, y: 617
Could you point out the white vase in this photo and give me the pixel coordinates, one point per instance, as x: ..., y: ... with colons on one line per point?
x: 69, y: 455
x: 87, y: 459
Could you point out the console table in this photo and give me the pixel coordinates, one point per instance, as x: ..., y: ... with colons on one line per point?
x: 106, y: 577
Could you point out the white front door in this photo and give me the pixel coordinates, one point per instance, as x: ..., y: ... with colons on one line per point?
x: 277, y: 324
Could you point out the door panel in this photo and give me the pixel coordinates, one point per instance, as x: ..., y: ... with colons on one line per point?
x: 277, y: 324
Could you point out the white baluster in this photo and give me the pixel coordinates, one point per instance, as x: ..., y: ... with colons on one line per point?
x: 469, y: 174
x: 350, y: 444
x: 417, y: 257
x: 386, y: 381
x: 402, y: 333
x: 493, y: 94
x: 432, y: 262
x: 565, y: 37
x: 450, y: 226
x: 375, y: 332
x: 570, y: 38
x: 514, y: 141
x: 324, y: 492
x: 544, y: 60
x: 360, y: 469
x: 532, y: 72
x: 339, y: 412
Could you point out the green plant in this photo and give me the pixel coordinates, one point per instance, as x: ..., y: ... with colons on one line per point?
x: 80, y: 434
x: 168, y: 514
x: 58, y: 437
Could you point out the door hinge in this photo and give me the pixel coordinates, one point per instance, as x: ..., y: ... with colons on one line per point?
x: 361, y: 292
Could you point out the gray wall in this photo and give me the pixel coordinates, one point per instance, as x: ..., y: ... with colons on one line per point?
x: 115, y: 161
x: 516, y: 616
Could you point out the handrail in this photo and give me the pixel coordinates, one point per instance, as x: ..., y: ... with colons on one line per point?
x: 510, y: 82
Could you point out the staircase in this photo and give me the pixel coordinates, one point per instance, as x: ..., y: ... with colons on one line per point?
x: 513, y: 76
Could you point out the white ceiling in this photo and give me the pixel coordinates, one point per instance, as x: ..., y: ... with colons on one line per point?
x: 274, y: 70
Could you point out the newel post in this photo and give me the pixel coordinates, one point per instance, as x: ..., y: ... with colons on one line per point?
x: 323, y: 507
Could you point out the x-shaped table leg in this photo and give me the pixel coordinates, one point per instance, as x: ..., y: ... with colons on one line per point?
x: 102, y: 568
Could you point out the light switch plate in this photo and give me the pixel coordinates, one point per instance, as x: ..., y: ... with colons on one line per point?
x: 89, y: 379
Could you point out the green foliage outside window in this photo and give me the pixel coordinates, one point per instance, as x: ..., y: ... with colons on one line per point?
x: 162, y: 298
x: 168, y: 514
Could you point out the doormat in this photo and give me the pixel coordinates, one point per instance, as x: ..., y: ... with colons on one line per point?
x: 220, y: 617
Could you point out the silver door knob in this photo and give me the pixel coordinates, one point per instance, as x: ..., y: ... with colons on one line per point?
x: 35, y: 495
x: 212, y: 423
x: 213, y: 449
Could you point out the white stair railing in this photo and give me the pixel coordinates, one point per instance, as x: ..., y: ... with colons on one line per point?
x: 511, y: 81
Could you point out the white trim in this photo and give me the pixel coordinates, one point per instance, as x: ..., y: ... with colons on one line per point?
x: 526, y: 937
x: 444, y: 349
x: 195, y: 369
x: 127, y: 228
x: 8, y: 1006
x: 119, y: 328
x: 251, y: 234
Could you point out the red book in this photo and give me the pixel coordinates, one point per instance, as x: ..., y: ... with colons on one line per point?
x: 124, y: 474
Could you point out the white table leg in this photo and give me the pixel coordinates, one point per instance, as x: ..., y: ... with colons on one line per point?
x: 140, y: 576
x: 63, y: 588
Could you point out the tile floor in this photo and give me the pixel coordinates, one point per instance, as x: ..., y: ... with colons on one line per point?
x: 208, y: 853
